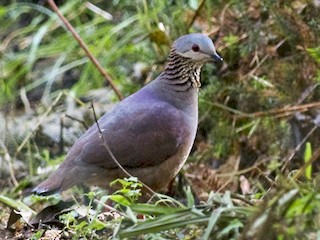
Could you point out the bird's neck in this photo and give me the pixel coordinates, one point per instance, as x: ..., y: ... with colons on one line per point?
x: 182, y: 73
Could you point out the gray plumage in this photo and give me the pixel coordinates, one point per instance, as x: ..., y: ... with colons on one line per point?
x: 150, y: 132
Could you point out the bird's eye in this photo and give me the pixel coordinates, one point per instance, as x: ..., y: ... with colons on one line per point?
x: 195, y: 48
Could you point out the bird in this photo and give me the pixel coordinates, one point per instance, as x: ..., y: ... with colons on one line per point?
x: 150, y: 133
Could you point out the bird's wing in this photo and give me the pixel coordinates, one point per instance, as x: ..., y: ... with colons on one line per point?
x: 136, y: 137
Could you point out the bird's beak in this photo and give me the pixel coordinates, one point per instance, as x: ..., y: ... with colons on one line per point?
x: 216, y: 57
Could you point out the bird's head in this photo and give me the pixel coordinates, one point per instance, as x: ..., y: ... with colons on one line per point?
x: 196, y: 46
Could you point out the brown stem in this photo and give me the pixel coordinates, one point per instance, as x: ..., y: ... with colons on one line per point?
x: 196, y: 14
x: 287, y: 109
x: 7, y: 157
x: 78, y: 120
x: 85, y: 48
x: 297, y: 148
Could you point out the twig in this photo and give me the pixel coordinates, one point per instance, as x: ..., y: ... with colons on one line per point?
x: 284, y: 110
x: 259, y: 63
x: 25, y: 100
x: 256, y: 67
x: 25, y: 140
x: 241, y: 198
x: 78, y: 120
x: 111, y: 209
x: 297, y: 148
x: 314, y: 158
x: 276, y: 113
x: 224, y: 107
x: 99, y: 11
x: 61, y: 142
x: 243, y: 171
x: 85, y: 48
x: 196, y: 14
x: 113, y: 157
x: 223, y: 13
x: 306, y: 93
x: 8, y: 158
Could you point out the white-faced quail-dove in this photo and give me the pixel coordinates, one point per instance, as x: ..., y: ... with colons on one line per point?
x: 150, y: 133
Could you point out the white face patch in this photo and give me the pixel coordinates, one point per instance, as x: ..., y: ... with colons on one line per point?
x: 195, y: 55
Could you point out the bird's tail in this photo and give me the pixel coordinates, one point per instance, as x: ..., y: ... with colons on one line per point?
x: 60, y: 180
x: 51, y: 185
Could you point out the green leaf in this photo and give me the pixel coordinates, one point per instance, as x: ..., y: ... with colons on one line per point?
x: 131, y: 215
x: 15, y: 204
x: 315, y: 53
x: 307, y: 158
x: 96, y: 224
x: 231, y: 39
x: 233, y: 225
x: 153, y: 209
x: 120, y: 199
x: 213, y: 219
x: 189, y: 195
x: 165, y: 222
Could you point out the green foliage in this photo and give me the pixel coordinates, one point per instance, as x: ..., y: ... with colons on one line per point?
x: 129, y: 191
x: 231, y: 40
x: 112, y: 43
x: 307, y: 158
x: 315, y: 53
x: 181, y: 220
x: 81, y: 227
x: 271, y: 55
x: 291, y: 212
x: 16, y: 204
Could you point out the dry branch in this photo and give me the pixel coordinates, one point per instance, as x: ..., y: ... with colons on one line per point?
x: 82, y: 44
x: 281, y: 112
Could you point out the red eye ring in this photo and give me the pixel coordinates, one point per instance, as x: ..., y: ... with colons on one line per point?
x: 195, y: 48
